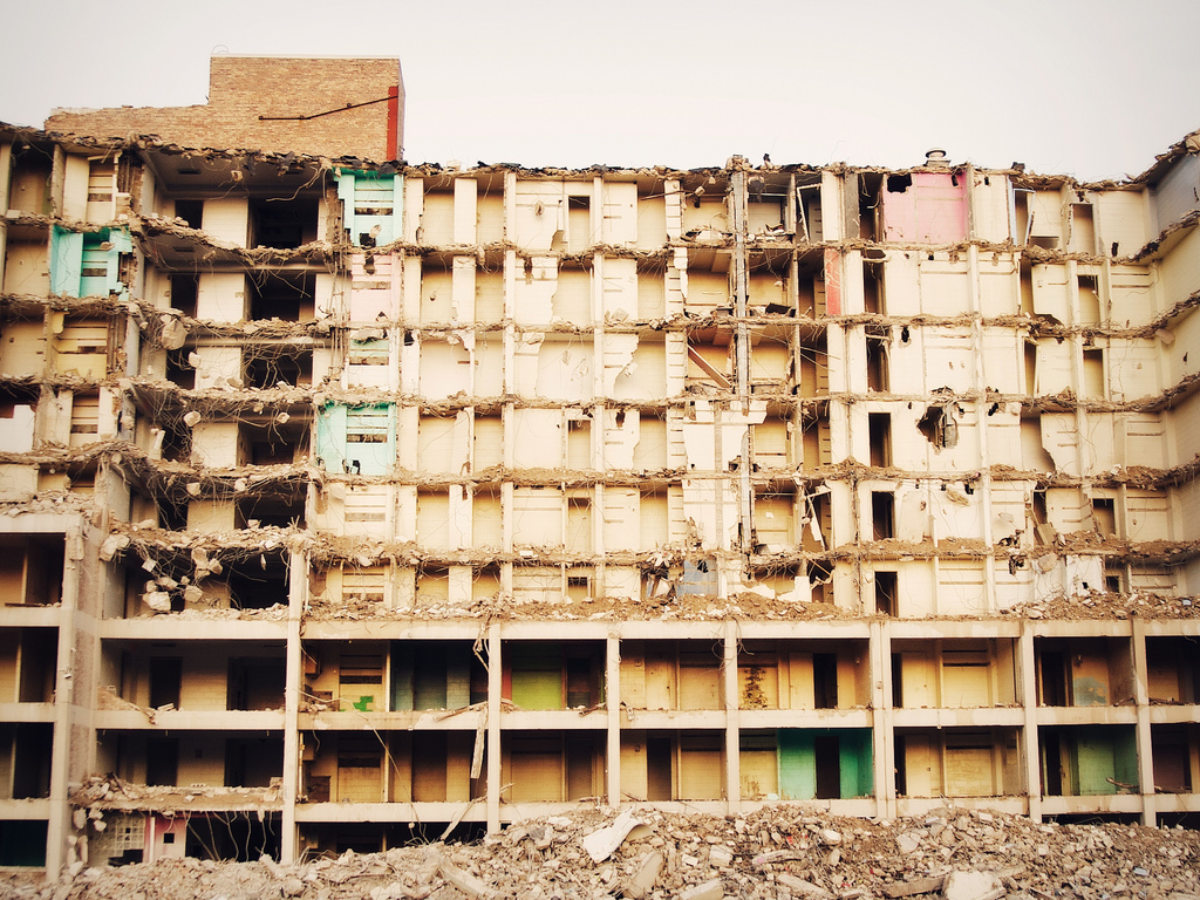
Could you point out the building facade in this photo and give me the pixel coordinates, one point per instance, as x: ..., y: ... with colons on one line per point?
x: 347, y: 502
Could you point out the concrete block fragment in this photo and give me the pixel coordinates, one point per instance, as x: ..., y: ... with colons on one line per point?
x: 601, y: 843
x: 801, y: 888
x: 721, y: 857
x: 916, y: 886
x: 973, y: 886
x: 646, y: 877
x: 709, y: 890
x: 464, y: 881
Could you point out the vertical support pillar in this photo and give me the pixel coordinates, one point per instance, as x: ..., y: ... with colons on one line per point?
x: 742, y: 339
x: 880, y: 655
x: 1028, y: 698
x: 733, y: 763
x: 289, y: 838
x: 1145, y: 746
x: 612, y: 693
x: 65, y: 680
x: 981, y: 419
x: 495, y: 687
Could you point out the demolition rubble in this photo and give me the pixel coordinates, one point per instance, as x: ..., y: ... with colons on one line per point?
x: 781, y: 853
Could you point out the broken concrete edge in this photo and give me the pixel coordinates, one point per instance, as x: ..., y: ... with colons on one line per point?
x: 1186, y: 145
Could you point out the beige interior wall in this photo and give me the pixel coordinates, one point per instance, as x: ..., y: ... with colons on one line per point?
x: 27, y: 267
x: 634, y: 784
x: 23, y: 348
x: 227, y: 219
x: 221, y: 297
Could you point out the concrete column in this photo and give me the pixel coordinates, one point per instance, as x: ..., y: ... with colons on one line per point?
x: 1145, y: 748
x: 1027, y: 697
x: 880, y: 659
x: 59, y: 825
x: 495, y: 687
x: 289, y: 837
x: 733, y: 762
x: 981, y: 419
x: 612, y: 693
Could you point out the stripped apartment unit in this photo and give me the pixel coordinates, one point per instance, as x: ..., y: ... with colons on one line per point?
x: 351, y: 502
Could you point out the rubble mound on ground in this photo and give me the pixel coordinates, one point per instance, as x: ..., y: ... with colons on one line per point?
x: 782, y: 852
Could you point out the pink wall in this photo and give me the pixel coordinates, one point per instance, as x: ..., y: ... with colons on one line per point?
x: 933, y: 209
x: 833, y: 282
x: 157, y: 829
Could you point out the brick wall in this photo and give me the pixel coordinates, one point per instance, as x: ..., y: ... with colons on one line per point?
x: 242, y: 88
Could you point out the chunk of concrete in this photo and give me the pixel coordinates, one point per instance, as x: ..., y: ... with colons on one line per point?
x: 464, y: 881
x: 801, y: 888
x: 644, y: 880
x: 601, y: 844
x: 709, y: 890
x: 916, y: 886
x: 973, y: 886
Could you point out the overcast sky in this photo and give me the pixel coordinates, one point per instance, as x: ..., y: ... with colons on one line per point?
x: 1091, y: 88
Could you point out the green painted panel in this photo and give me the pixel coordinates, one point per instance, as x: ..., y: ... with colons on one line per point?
x: 1125, y: 758
x: 369, y: 202
x: 537, y: 675
x: 797, y: 765
x: 1089, y: 691
x: 370, y: 439
x: 1094, y: 753
x: 855, y: 759
x: 66, y: 257
x: 534, y: 689
x: 458, y: 676
x: 119, y: 242
x: 331, y: 437
x: 345, y: 191
x: 96, y: 272
x: 402, y: 678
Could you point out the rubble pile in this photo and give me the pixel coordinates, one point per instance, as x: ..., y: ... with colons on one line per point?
x: 781, y: 853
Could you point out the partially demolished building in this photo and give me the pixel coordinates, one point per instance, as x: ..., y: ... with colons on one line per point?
x: 347, y: 501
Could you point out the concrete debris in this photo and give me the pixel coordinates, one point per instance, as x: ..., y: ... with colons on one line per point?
x: 972, y: 886
x: 710, y: 890
x: 801, y: 888
x: 464, y: 881
x: 601, y: 844
x: 646, y: 876
x: 774, y: 853
x: 916, y: 886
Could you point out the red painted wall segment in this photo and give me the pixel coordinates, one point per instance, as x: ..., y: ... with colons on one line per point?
x: 393, y: 124
x: 833, y: 283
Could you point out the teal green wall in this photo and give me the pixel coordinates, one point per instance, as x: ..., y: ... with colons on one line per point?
x: 1125, y: 758
x: 797, y: 765
x: 371, y: 191
x: 337, y: 454
x: 70, y: 249
x: 1104, y: 753
x: 858, y: 773
x: 798, y: 762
